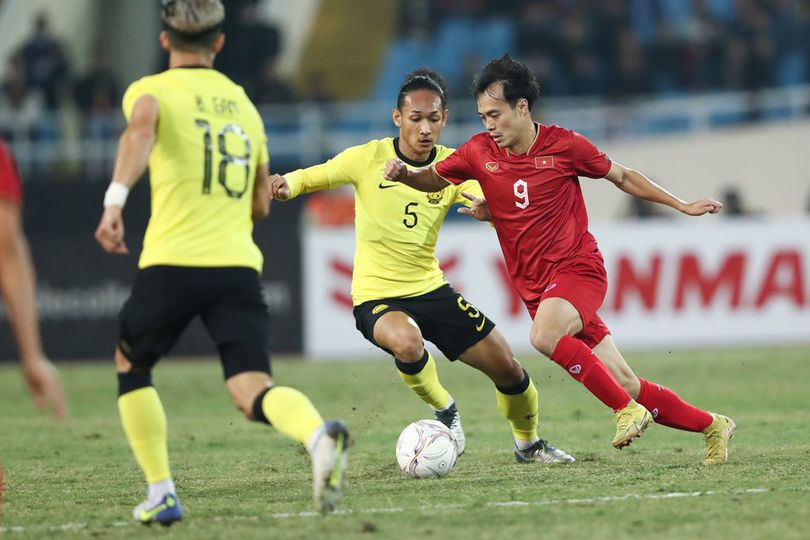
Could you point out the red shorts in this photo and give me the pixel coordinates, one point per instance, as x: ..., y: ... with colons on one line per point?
x: 583, y: 283
x: 10, y: 188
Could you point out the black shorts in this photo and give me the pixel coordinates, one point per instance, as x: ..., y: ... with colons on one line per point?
x: 444, y: 317
x: 165, y: 299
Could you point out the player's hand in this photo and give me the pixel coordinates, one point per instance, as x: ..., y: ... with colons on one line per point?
x: 279, y: 187
x: 110, y: 231
x: 45, y: 387
x: 478, y: 209
x: 395, y: 171
x: 703, y: 206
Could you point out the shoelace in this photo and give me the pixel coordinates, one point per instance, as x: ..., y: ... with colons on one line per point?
x: 448, y: 417
x: 540, y: 446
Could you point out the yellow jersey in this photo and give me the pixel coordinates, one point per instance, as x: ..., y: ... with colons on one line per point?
x: 395, y: 226
x: 210, y: 141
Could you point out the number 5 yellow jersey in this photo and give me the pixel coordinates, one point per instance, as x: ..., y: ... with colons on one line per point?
x: 210, y: 141
x: 396, y: 227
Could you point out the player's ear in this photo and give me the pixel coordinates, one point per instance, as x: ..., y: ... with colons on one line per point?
x: 523, y: 106
x: 164, y: 41
x: 444, y: 117
x: 219, y: 42
x: 396, y: 116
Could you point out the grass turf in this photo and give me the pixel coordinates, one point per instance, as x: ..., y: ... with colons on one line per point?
x: 237, y: 479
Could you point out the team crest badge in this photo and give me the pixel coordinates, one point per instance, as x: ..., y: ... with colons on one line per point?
x: 379, y: 308
x: 492, y: 166
x: 435, y: 197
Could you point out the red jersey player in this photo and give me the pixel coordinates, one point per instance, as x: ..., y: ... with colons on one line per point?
x: 17, y: 290
x: 529, y: 175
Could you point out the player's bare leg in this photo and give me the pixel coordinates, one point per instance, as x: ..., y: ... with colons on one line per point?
x: 291, y: 413
x: 609, y: 354
x: 667, y: 407
x: 398, y: 333
x: 555, y: 324
x: 516, y: 396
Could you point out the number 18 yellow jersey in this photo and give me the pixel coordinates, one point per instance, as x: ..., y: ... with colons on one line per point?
x: 210, y: 141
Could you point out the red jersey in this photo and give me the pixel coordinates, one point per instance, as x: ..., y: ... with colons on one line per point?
x: 10, y: 187
x: 535, y: 199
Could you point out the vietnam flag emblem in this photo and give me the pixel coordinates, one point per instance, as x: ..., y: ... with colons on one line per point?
x: 544, y: 162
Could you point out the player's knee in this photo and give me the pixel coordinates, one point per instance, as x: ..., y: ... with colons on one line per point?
x: 247, y: 391
x: 407, y: 346
x: 544, y: 340
x: 244, y: 404
x: 122, y: 363
x: 508, y: 371
x: 249, y: 404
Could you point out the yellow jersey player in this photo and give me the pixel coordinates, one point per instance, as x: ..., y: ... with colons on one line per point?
x: 206, y: 149
x: 399, y: 292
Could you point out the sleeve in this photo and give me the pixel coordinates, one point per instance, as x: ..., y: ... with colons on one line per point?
x: 141, y: 87
x: 341, y: 169
x: 587, y: 159
x: 456, y: 167
x: 10, y: 186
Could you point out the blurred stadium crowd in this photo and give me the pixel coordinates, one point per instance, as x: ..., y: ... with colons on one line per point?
x: 615, y: 48
x: 609, y: 49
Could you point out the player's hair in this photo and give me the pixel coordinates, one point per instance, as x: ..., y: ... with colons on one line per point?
x: 517, y: 79
x: 192, y: 24
x: 423, y: 79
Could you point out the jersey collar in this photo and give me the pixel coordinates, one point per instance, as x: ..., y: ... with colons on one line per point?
x: 411, y: 162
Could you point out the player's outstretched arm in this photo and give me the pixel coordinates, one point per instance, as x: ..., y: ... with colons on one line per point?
x: 18, y: 292
x: 636, y: 184
x: 131, y: 161
x: 422, y: 179
x: 262, y: 193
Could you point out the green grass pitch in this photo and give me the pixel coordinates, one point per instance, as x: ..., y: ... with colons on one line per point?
x: 237, y: 479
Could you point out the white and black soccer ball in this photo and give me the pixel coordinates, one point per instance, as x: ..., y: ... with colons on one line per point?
x: 426, y: 449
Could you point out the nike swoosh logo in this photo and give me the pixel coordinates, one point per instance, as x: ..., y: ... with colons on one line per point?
x: 386, y: 186
x: 149, y: 514
x: 481, y: 326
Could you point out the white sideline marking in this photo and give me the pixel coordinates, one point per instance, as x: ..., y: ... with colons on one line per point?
x: 394, y: 510
x: 542, y: 502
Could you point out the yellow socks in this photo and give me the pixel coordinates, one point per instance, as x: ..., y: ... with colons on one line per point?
x: 519, y: 405
x: 291, y: 413
x: 423, y: 379
x: 144, y: 423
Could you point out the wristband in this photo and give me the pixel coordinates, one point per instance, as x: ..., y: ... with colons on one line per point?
x: 116, y: 194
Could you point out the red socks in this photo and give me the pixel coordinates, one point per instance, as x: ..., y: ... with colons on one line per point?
x: 665, y: 405
x: 670, y: 410
x: 579, y: 361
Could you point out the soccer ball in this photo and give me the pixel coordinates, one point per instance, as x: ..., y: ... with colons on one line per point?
x: 426, y: 449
